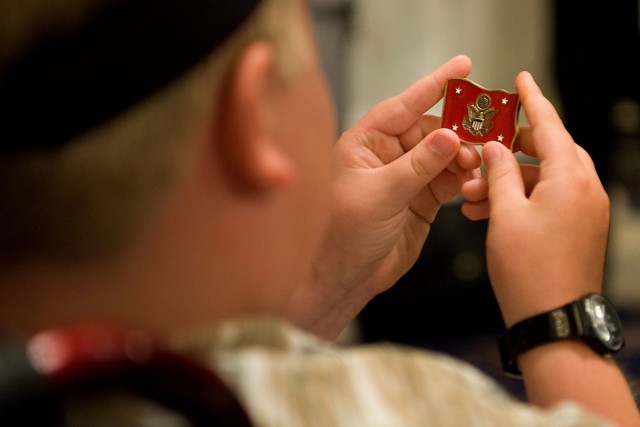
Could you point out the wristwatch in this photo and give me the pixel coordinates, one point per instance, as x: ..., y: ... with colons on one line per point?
x: 590, y: 319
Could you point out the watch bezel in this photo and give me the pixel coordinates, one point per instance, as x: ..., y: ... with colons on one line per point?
x: 603, y: 322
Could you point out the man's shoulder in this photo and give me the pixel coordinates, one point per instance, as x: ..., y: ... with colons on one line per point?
x: 285, y: 376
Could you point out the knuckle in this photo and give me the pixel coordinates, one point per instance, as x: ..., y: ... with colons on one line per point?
x: 421, y: 166
x: 497, y: 174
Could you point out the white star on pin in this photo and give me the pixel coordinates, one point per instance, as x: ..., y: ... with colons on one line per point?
x: 504, y: 101
x: 454, y: 128
x: 500, y: 137
x: 458, y: 91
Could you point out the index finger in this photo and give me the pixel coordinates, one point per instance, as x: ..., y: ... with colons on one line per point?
x: 550, y: 138
x: 397, y: 114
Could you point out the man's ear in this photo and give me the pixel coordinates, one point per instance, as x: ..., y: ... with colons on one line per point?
x: 249, y: 150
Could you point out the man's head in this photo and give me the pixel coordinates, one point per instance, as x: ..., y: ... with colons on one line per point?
x: 218, y: 176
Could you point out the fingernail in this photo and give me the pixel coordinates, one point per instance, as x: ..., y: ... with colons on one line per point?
x: 491, y: 153
x: 443, y: 146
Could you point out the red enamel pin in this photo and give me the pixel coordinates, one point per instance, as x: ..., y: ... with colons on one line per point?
x: 480, y: 115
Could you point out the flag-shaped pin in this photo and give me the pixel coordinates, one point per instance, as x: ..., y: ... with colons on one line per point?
x: 479, y: 115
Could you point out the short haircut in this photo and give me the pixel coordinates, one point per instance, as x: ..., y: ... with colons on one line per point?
x: 90, y: 197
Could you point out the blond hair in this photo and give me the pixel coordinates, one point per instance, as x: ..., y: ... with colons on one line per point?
x: 88, y: 198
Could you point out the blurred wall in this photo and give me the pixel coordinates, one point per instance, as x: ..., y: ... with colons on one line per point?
x: 395, y: 42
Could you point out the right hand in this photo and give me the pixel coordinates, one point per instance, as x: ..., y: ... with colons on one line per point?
x: 548, y: 225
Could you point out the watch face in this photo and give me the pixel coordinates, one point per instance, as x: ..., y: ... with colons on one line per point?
x: 605, y: 322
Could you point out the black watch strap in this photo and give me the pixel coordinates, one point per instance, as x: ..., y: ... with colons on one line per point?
x: 554, y: 325
x: 591, y: 319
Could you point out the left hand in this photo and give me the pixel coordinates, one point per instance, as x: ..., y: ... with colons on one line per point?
x: 395, y: 168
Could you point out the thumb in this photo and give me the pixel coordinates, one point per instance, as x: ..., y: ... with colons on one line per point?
x: 503, y: 175
x: 406, y: 176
